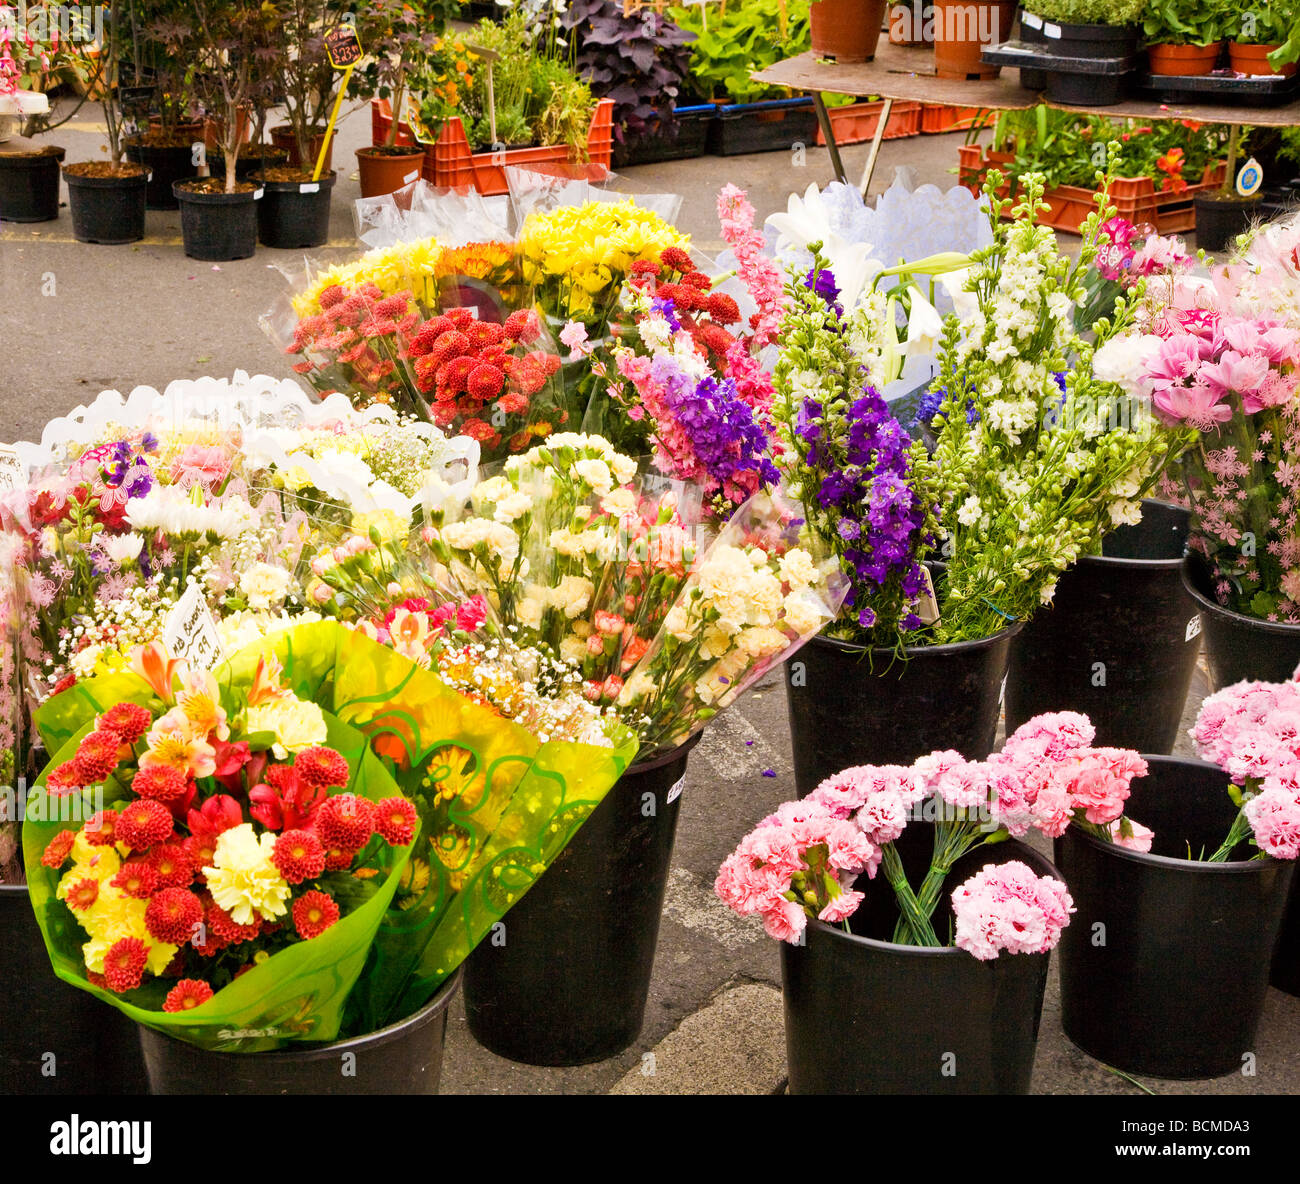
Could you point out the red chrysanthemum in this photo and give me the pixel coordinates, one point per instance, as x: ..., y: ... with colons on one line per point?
x: 172, y: 865
x: 136, y: 878
x: 428, y: 333
x: 173, y: 915
x: 523, y: 326
x: 346, y: 820
x: 65, y: 779
x: 391, y: 307
x: 129, y: 720
x: 201, y: 849
x: 143, y: 823
x: 450, y: 345
x: 162, y: 783
x: 331, y: 296
x: 482, y: 334
x: 227, y: 928
x: 723, y: 308
x: 83, y: 894
x: 338, y: 859
x: 205, y: 942
x: 124, y: 964
x: 66, y: 683
x: 452, y: 377
x: 485, y: 382
x: 298, y: 856
x: 101, y: 828
x: 313, y: 913
x: 395, y: 820
x: 697, y: 280
x: 187, y: 994
x: 461, y: 317
x: 97, y: 756
x: 715, y: 338
x: 322, y: 768
x: 676, y: 258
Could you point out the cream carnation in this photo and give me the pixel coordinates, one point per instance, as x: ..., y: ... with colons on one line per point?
x: 243, y: 880
x: 296, y: 724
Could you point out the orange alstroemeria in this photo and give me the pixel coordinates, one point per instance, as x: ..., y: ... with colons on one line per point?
x: 158, y: 668
x: 267, y: 681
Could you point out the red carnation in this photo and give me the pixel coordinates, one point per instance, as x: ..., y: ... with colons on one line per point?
x: 346, y: 820
x: 129, y: 720
x: 485, y: 382
x: 227, y: 928
x: 697, y: 280
x: 66, y: 779
x: 137, y: 879
x: 187, y: 994
x: 298, y: 856
x: 313, y: 913
x: 715, y: 338
x: 161, y: 783
x: 322, y: 768
x: 143, y: 823
x: 723, y: 308
x: 395, y: 820
x: 124, y: 964
x: 172, y: 915
x: 676, y: 258
x: 523, y: 326
x: 83, y: 894
x: 101, y: 828
x: 172, y: 865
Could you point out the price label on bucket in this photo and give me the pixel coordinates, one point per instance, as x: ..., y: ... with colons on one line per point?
x: 1052, y: 31
x: 309, y: 187
x: 676, y: 791
x: 1193, y: 628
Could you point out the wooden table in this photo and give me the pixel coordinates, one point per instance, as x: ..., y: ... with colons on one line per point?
x: 907, y: 73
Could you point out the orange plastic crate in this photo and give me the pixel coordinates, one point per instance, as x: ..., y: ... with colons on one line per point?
x: 857, y: 123
x: 937, y: 118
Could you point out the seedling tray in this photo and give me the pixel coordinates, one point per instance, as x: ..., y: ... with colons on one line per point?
x: 1222, y: 86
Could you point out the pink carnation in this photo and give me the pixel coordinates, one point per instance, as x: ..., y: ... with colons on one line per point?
x: 786, y: 921
x: 1138, y: 840
x: 1274, y: 816
x: 959, y: 782
x: 1006, y: 907
x: 1098, y: 782
x: 842, y: 907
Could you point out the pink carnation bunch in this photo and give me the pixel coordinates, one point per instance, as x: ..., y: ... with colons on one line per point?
x: 1006, y: 908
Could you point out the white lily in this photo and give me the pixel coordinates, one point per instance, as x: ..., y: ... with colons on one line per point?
x: 806, y: 220
x: 965, y: 304
x: 924, y: 326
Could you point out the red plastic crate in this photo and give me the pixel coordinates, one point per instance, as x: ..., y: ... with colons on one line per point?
x: 451, y: 164
x: 857, y: 123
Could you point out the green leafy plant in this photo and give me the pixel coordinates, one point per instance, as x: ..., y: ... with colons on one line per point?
x: 731, y: 44
x: 1188, y: 22
x: 1262, y: 24
x: 1089, y: 12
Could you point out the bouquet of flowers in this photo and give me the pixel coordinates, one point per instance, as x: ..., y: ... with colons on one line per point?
x: 806, y: 859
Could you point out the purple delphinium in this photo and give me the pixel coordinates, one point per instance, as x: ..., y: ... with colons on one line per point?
x: 823, y: 283
x: 931, y: 404
x: 665, y: 307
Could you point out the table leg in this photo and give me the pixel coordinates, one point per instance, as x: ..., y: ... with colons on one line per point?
x: 875, y: 148
x: 824, y: 122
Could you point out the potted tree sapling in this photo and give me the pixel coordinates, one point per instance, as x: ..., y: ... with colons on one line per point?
x: 1185, y: 37
x: 107, y: 197
x: 397, y: 36
x: 235, y: 42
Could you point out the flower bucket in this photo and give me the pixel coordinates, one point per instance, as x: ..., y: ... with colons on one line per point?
x: 218, y: 226
x: 568, y: 979
x: 865, y: 1016
x: 1240, y: 647
x: 846, y: 30
x: 1165, y: 965
x: 1118, y: 642
x: 404, y: 1058
x: 962, y: 29
x: 849, y: 705
x: 56, y: 1040
x: 1221, y: 217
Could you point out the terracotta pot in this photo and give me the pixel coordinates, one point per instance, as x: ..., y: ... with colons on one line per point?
x: 964, y: 27
x: 907, y: 22
x: 282, y: 137
x: 1183, y: 60
x: 846, y: 30
x: 1253, y: 59
x: 384, y: 172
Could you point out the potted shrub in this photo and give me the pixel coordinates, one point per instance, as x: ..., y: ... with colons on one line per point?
x: 307, y: 81
x: 967, y: 934
x: 642, y: 61
x: 219, y: 214
x: 1257, y: 32
x: 107, y: 198
x: 1088, y: 28
x: 1180, y: 907
x: 1185, y: 37
x: 397, y: 36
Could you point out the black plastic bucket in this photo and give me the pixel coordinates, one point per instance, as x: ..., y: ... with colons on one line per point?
x: 1240, y: 647
x: 218, y: 227
x: 568, y: 984
x: 55, y: 1039
x: 1165, y: 965
x: 107, y: 209
x: 849, y: 705
x: 1219, y: 220
x: 29, y: 186
x: 294, y: 214
x: 866, y: 1016
x: 168, y: 164
x: 404, y: 1058
x: 1118, y: 642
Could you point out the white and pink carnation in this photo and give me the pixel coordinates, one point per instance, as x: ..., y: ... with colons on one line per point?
x: 1006, y: 908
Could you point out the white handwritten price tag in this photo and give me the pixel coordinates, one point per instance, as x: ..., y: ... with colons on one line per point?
x: 675, y: 792
x: 1193, y: 628
x: 13, y: 473
x: 1031, y: 20
x: 309, y: 187
x: 191, y: 632
x: 927, y: 604
x: 411, y: 176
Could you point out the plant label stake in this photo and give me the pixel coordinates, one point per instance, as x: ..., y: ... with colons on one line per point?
x: 489, y: 56
x: 344, y: 49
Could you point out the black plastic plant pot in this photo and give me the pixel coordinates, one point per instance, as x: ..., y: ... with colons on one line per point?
x: 687, y: 139
x: 568, y: 980
x: 1165, y: 964
x: 1285, y: 975
x: 56, y: 1040
x: 107, y: 209
x: 168, y: 163
x: 1119, y: 641
x: 850, y: 705
x: 294, y: 214
x: 1240, y: 647
x: 29, y: 185
x: 866, y: 1016
x: 1031, y: 33
x: 218, y: 227
x: 1085, y: 90
x: 1090, y: 41
x: 404, y: 1058
x: 1220, y: 219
